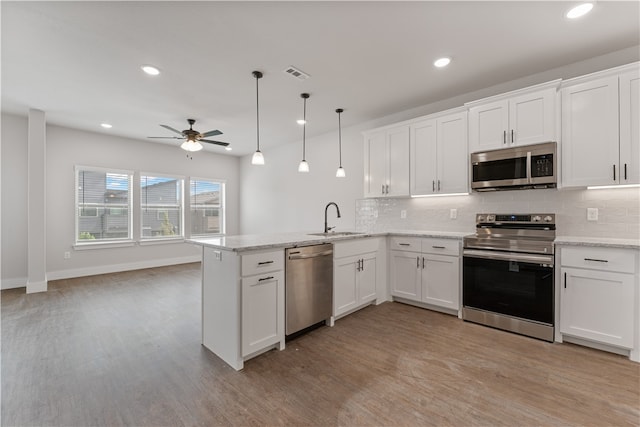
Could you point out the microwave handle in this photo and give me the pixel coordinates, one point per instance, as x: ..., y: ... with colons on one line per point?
x: 529, y: 167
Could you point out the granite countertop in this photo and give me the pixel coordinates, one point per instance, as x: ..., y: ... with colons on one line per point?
x: 248, y: 242
x: 598, y: 241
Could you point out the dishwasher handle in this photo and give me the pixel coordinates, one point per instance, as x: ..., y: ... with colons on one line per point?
x: 298, y: 255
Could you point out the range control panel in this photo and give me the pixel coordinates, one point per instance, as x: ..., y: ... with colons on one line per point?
x: 516, y: 218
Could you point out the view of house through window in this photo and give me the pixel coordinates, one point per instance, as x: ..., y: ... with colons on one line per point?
x: 103, y: 205
x: 161, y: 207
x: 207, y: 207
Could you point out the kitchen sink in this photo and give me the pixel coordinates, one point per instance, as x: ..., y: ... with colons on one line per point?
x: 336, y: 233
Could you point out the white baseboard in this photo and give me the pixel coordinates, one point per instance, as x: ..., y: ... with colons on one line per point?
x: 115, y: 268
x: 13, y: 283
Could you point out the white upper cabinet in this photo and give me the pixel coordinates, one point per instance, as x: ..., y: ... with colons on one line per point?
x: 439, y: 161
x: 600, y: 129
x: 387, y: 162
x: 522, y: 117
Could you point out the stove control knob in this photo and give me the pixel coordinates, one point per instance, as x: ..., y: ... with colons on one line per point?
x: 548, y: 218
x: 480, y: 218
x: 536, y: 218
x: 491, y: 218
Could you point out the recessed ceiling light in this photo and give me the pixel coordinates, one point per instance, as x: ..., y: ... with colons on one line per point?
x: 442, y: 62
x: 151, y: 70
x: 106, y: 125
x: 301, y: 121
x: 579, y: 10
x: 228, y: 148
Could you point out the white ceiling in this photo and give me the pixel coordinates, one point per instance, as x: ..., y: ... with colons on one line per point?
x: 80, y: 61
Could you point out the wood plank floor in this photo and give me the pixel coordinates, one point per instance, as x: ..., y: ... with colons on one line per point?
x: 124, y: 349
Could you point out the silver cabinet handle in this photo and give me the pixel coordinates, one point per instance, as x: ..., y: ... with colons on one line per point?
x: 417, y: 262
x: 362, y: 265
x: 265, y: 262
x: 614, y: 172
x: 433, y: 186
x: 404, y: 244
x: 565, y: 280
x: 438, y: 247
x: 512, y: 136
x: 387, y: 189
x: 596, y: 260
x: 382, y: 188
x: 423, y: 263
x: 504, y: 137
x: 265, y: 278
x: 438, y: 185
x: 625, y: 171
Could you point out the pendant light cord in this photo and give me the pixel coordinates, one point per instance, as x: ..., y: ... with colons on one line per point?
x: 257, y: 115
x: 340, y: 138
x: 304, y: 128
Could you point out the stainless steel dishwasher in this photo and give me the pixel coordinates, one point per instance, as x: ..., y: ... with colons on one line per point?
x: 308, y: 286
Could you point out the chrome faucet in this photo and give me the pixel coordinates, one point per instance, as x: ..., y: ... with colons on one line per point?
x: 327, y: 228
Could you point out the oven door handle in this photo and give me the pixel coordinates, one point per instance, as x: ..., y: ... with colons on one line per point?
x: 509, y: 256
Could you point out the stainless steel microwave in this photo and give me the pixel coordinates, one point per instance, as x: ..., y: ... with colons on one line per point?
x: 529, y: 166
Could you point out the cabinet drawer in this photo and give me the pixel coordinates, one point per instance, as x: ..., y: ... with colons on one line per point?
x: 405, y: 243
x: 262, y: 262
x: 441, y: 246
x: 605, y: 259
x: 357, y: 246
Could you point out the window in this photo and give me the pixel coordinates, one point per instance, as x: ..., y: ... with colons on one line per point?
x: 99, y: 193
x: 161, y: 206
x: 207, y: 207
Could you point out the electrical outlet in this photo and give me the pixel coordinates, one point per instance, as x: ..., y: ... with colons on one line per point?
x: 403, y: 213
x: 67, y: 255
x: 453, y: 213
x: 592, y: 214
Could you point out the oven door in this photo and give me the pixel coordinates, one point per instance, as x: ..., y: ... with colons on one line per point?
x: 511, y: 284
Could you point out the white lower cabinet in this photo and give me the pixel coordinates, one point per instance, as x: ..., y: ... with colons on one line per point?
x: 354, y: 274
x: 426, y: 270
x: 599, y: 296
x: 262, y: 302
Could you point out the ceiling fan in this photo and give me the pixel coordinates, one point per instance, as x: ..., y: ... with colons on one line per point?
x: 192, y: 138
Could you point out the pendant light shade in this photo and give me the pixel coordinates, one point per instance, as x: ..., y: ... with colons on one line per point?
x: 258, y: 158
x: 340, y: 172
x: 191, y: 145
x: 304, y: 166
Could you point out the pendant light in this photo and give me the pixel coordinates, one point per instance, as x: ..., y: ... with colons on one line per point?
x: 340, y: 172
x: 304, y: 166
x: 258, y: 158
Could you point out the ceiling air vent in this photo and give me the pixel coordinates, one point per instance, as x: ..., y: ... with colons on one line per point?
x: 298, y: 74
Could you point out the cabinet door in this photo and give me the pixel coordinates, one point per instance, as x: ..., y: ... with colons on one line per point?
x: 488, y: 124
x: 345, y: 292
x: 375, y: 164
x: 423, y: 157
x: 453, y: 154
x: 367, y: 279
x: 398, y: 166
x: 262, y: 311
x: 405, y: 275
x: 441, y: 281
x: 629, y: 127
x: 598, y: 306
x: 590, y: 146
x: 532, y: 118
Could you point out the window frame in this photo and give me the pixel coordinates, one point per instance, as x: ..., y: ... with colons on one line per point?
x: 116, y: 242
x: 182, y: 235
x: 222, y: 209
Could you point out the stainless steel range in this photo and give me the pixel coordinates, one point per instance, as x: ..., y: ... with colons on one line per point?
x: 508, y: 278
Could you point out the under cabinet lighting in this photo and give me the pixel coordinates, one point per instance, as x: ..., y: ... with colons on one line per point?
x: 609, y: 187
x: 438, y: 195
x: 151, y: 70
x: 579, y: 10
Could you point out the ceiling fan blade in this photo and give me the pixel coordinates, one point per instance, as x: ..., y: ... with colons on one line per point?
x: 172, y: 129
x: 164, y: 137
x: 224, y: 144
x: 211, y: 133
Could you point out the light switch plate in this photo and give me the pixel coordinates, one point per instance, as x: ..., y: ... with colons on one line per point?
x: 592, y: 214
x: 453, y: 213
x: 403, y: 213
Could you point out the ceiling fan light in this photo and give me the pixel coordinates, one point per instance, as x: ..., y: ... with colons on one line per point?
x: 191, y: 145
x: 340, y: 173
x: 258, y: 158
x: 303, y: 167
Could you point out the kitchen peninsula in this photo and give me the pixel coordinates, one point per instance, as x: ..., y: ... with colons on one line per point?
x: 243, y: 285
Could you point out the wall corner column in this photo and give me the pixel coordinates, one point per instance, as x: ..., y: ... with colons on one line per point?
x: 36, y: 199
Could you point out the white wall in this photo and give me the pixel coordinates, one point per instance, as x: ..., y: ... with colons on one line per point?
x: 276, y: 198
x: 67, y: 148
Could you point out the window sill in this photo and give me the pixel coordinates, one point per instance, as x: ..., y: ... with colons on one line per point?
x: 103, y: 245
x: 161, y: 241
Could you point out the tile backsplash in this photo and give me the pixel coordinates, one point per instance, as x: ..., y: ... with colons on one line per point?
x: 618, y: 211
